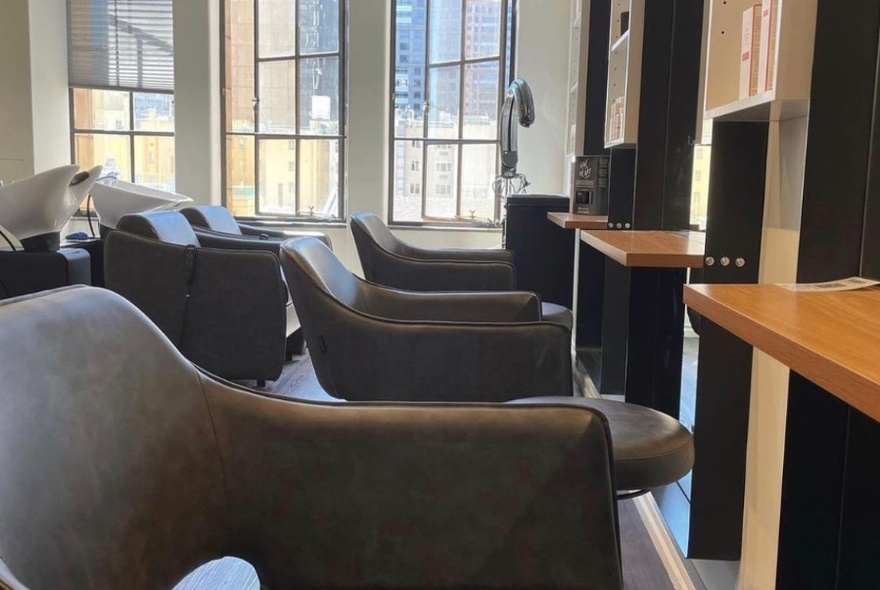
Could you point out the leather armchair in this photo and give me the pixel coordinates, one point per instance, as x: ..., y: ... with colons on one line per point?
x: 391, y: 262
x: 123, y: 466
x: 215, y: 225
x: 368, y: 342
x: 226, y: 309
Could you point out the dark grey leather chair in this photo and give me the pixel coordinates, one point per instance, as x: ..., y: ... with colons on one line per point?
x: 123, y: 466
x: 371, y: 343
x: 388, y: 261
x: 368, y: 342
x: 227, y: 309
x: 213, y: 222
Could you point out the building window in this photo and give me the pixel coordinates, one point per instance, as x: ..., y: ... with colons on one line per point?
x: 140, y: 149
x: 121, y: 75
x: 448, y: 130
x: 284, y: 107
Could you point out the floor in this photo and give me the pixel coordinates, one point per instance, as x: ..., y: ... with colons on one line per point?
x: 642, y: 565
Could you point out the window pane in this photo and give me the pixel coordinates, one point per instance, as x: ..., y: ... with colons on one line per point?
x: 278, y: 97
x: 153, y: 112
x: 239, y: 73
x: 277, y: 27
x: 442, y: 172
x: 481, y: 101
x: 408, y: 180
x: 318, y: 26
x: 154, y: 161
x: 111, y: 151
x: 444, y: 88
x: 319, y: 177
x: 277, y: 188
x: 240, y: 174
x: 477, y: 173
x: 107, y: 110
x: 482, y: 28
x: 445, y: 34
x: 319, y: 96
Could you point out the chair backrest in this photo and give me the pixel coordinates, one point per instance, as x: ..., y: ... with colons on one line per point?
x: 213, y: 217
x: 166, y: 226
x: 373, y: 239
x: 310, y: 257
x: 110, y: 471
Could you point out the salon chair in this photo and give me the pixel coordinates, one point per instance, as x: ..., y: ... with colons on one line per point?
x: 214, y: 225
x: 391, y: 262
x: 226, y: 309
x: 373, y: 343
x: 124, y: 466
x: 368, y: 342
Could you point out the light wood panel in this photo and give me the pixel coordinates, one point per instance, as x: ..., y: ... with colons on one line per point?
x: 662, y: 249
x: 831, y: 339
x: 575, y: 221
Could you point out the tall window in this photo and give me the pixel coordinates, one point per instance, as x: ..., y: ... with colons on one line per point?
x: 121, y: 71
x: 284, y: 107
x: 451, y: 64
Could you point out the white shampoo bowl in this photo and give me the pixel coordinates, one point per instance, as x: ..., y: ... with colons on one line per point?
x: 112, y: 201
x: 35, y: 209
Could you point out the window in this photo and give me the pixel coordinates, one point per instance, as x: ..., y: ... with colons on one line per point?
x: 457, y: 68
x: 121, y: 73
x: 283, y: 89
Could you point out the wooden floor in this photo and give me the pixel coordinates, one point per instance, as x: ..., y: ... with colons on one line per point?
x: 642, y: 567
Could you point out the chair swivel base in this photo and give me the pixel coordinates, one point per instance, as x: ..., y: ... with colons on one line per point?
x: 650, y: 448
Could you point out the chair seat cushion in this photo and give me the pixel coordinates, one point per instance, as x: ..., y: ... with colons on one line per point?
x: 557, y: 314
x: 650, y: 448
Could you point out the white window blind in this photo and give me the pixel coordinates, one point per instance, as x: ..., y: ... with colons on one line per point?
x: 126, y: 44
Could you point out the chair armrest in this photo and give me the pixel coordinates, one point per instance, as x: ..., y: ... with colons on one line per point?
x: 281, y: 234
x: 417, y: 495
x: 212, y: 239
x: 376, y: 359
x: 253, y: 230
x: 443, y: 275
x: 479, y: 306
x: 236, y: 323
x: 460, y: 254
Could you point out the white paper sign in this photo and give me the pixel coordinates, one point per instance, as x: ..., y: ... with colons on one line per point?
x: 840, y: 285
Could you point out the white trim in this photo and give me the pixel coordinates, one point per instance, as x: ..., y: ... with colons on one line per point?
x: 665, y: 545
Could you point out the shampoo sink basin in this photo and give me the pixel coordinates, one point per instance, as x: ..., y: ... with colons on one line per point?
x: 36, y: 208
x: 112, y: 201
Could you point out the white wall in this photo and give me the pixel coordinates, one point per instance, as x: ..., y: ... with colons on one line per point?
x: 542, y: 52
x: 197, y: 100
x: 34, y: 118
x: 49, y: 88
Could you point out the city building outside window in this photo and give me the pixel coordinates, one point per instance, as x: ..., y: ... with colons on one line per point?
x: 284, y: 108
x: 451, y: 60
x: 121, y: 73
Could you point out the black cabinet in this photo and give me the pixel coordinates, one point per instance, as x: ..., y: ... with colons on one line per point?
x: 543, y: 254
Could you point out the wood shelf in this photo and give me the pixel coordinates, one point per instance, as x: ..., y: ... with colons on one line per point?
x: 791, y: 50
x: 658, y: 249
x: 830, y: 338
x: 575, y: 221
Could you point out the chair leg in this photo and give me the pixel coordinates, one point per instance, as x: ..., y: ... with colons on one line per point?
x: 296, y: 345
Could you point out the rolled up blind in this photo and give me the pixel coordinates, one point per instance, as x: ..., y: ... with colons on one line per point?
x: 126, y: 44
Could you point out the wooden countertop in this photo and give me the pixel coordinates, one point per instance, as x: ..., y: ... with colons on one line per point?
x: 832, y: 339
x: 575, y: 221
x: 666, y: 249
